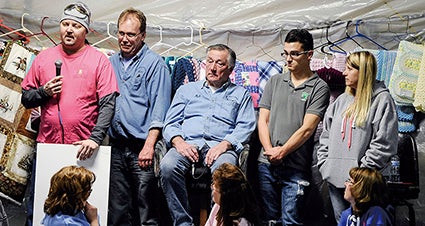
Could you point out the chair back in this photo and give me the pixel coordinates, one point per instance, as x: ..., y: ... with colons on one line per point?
x: 408, y: 187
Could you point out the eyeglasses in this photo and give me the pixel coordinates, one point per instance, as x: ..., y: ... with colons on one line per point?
x: 293, y: 54
x: 81, y: 9
x: 129, y: 35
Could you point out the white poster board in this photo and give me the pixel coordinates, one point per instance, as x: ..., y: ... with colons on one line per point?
x: 52, y: 157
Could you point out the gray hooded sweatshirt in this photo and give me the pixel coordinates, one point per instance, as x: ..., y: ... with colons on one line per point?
x: 344, y: 145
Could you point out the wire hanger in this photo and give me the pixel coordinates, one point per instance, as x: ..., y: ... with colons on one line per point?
x: 253, y: 44
x: 366, y: 37
x: 109, y: 35
x: 23, y: 29
x: 177, y: 47
x: 358, y: 34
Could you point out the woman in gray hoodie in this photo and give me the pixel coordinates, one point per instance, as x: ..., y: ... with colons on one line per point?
x: 360, y: 128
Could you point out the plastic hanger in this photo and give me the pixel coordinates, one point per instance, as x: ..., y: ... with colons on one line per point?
x: 199, y: 45
x: 329, y: 44
x: 161, y: 43
x: 177, y: 47
x: 358, y: 34
x: 43, y: 32
x: 109, y: 35
x: 12, y: 31
x: 23, y: 29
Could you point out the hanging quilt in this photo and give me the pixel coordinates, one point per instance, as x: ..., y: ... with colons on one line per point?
x: 17, y: 139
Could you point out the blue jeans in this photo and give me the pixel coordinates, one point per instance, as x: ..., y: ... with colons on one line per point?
x: 282, y: 193
x: 174, y: 167
x: 133, y: 191
x: 339, y: 204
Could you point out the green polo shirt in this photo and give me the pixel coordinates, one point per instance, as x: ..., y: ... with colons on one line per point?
x: 288, y: 106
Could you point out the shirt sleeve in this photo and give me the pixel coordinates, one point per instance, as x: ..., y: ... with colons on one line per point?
x: 106, y: 112
x: 159, y: 91
x: 34, y: 97
x: 320, y: 99
x: 245, y: 123
x: 174, y: 117
x: 107, y: 81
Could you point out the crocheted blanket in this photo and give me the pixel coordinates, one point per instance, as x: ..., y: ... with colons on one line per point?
x: 419, y: 102
x: 405, y: 73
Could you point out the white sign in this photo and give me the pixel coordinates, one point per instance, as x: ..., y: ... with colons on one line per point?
x: 52, y: 157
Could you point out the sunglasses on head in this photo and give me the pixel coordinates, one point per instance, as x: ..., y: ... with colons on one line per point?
x: 81, y: 9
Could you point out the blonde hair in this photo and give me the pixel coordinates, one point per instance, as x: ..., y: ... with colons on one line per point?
x: 365, y: 63
x: 69, y: 189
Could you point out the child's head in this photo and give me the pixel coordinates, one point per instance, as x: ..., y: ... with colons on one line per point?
x: 69, y: 190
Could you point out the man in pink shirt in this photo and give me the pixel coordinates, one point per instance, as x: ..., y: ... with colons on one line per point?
x: 78, y: 103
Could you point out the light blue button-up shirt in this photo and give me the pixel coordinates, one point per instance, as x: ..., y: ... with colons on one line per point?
x: 145, y: 94
x: 201, y: 116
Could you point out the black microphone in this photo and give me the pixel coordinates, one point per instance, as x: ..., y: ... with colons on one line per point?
x: 58, y: 65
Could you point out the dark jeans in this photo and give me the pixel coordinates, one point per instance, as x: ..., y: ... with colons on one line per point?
x: 133, y: 191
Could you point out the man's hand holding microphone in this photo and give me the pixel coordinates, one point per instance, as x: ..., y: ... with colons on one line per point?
x: 54, y: 86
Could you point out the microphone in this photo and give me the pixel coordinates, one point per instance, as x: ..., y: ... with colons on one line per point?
x: 58, y: 65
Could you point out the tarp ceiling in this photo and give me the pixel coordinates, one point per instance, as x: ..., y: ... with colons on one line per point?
x: 254, y: 29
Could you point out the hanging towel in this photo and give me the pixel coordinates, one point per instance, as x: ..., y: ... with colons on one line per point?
x: 405, y: 73
x: 385, y: 62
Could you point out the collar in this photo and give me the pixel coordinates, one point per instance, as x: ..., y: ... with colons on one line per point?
x: 139, y: 54
x: 224, y: 86
x: 311, y: 81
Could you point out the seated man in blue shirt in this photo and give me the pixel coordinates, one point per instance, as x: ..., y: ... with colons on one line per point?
x: 215, y: 115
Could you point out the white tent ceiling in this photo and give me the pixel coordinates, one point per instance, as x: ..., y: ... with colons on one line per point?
x: 254, y: 29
